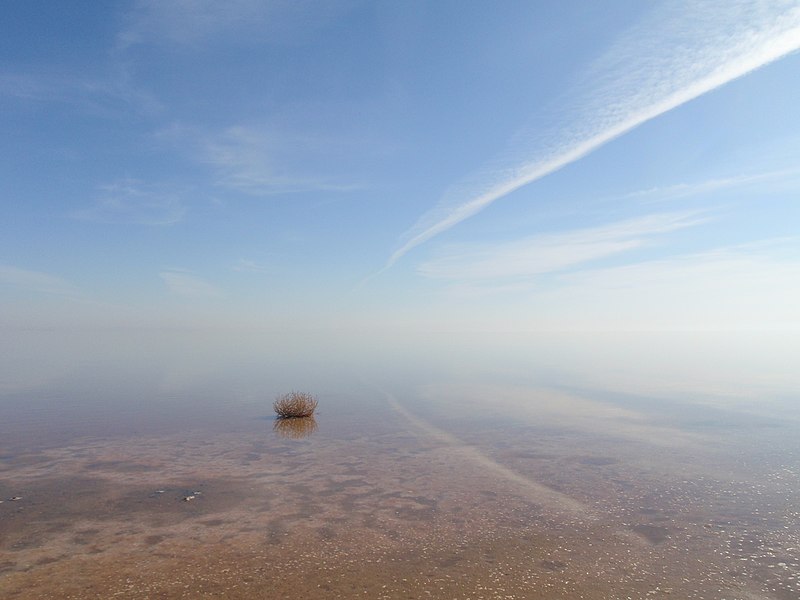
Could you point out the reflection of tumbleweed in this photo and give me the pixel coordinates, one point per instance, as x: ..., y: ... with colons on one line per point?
x: 295, y: 429
x: 295, y: 404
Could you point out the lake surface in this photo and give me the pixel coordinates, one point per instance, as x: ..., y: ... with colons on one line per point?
x: 441, y: 466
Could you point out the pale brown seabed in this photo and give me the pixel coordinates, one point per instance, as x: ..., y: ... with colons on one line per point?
x: 383, y: 509
x: 391, y: 495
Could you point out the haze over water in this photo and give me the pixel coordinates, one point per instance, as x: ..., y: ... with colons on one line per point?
x: 481, y: 466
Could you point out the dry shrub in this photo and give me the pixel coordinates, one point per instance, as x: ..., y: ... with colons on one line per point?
x: 295, y: 429
x: 295, y: 404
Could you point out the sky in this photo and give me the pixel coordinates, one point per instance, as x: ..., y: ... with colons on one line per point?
x: 431, y: 166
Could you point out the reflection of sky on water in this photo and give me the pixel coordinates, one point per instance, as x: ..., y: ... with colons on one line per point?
x: 668, y: 390
x: 664, y: 449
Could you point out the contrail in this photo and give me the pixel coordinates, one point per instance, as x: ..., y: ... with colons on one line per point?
x: 679, y: 52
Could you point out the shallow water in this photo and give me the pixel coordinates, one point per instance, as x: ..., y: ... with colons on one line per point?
x: 448, y: 466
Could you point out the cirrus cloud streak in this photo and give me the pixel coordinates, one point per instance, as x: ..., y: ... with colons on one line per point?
x: 548, y: 253
x: 680, y: 52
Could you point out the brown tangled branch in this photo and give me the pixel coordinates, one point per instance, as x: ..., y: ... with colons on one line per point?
x: 295, y: 404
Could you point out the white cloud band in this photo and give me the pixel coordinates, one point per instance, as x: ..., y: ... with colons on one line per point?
x: 679, y: 53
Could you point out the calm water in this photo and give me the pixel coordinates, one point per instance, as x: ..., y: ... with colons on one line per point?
x: 443, y: 466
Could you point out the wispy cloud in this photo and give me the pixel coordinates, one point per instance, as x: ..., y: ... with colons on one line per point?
x: 259, y: 160
x: 190, y: 22
x: 550, y: 253
x: 685, y: 190
x: 682, y: 50
x: 135, y: 202
x: 184, y: 283
x: 36, y: 281
x: 754, y: 286
x: 248, y: 266
x: 105, y: 95
x: 751, y: 286
x: 250, y: 161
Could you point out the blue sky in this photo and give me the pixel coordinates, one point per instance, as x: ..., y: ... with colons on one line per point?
x: 372, y: 165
